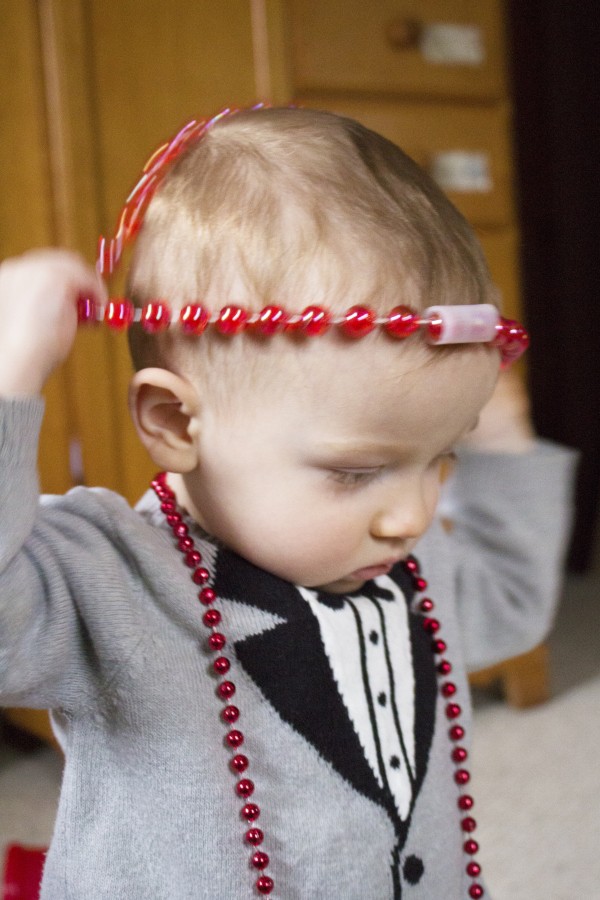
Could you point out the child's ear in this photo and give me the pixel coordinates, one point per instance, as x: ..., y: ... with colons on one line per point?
x: 163, y: 407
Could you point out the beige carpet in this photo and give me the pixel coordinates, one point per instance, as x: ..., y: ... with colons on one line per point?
x: 536, y: 774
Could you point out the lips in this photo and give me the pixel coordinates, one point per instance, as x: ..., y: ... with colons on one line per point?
x: 371, y: 572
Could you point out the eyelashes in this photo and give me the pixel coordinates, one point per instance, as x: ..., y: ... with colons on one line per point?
x: 354, y: 477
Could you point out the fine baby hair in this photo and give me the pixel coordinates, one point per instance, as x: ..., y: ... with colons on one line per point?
x: 258, y: 208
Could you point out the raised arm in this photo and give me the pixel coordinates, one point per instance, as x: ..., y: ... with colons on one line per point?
x: 509, y: 509
x: 38, y: 315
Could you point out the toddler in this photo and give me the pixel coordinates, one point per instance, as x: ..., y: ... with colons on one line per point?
x: 256, y: 690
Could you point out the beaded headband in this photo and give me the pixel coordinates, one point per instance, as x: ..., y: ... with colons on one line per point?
x: 472, y: 323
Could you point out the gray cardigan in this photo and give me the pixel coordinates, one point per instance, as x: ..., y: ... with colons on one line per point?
x: 99, y: 622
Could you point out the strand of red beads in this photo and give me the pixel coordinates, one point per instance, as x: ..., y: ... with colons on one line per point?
x: 456, y: 733
x: 510, y: 338
x: 221, y: 664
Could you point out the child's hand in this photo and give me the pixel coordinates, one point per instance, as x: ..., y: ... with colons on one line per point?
x: 505, y: 423
x: 38, y: 315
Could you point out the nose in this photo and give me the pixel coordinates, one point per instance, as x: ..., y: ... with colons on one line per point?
x: 406, y: 513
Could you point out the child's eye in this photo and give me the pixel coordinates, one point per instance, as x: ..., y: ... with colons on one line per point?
x: 353, y: 477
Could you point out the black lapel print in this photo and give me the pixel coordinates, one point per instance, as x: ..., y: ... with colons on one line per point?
x: 290, y: 666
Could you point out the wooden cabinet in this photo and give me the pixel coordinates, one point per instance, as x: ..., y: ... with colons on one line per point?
x: 423, y: 48
x: 431, y: 76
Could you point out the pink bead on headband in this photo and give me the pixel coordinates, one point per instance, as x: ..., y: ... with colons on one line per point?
x: 441, y: 324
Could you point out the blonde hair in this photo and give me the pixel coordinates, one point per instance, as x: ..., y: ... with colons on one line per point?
x: 298, y: 207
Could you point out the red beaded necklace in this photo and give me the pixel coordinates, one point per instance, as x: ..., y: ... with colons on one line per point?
x: 221, y: 665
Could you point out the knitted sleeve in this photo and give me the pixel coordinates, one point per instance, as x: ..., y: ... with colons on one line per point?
x: 61, y: 567
x: 510, y: 520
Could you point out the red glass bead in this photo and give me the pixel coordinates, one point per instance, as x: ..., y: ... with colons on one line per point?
x: 185, y: 544
x: 193, y: 318
x: 468, y: 824
x: 231, y: 320
x: 457, y: 733
x: 462, y: 776
x: 434, y: 329
x: 155, y: 317
x: 358, y: 321
x: 201, y: 575
x: 87, y: 310
x: 448, y: 689
x: 181, y: 529
x: 444, y: 667
x: 511, y: 339
x: 401, y: 322
x: 412, y: 564
x: 431, y: 626
x: 251, y: 812
x: 230, y: 714
x: 239, y: 763
x: 192, y: 558
x: 211, y: 618
x: 255, y: 836
x: 271, y: 319
x: 226, y: 690
x: 167, y: 506
x: 221, y: 665
x: 260, y: 860
x: 264, y: 884
x: 245, y: 787
x: 118, y: 314
x: 466, y: 802
x: 439, y: 646
x: 453, y: 710
x: 217, y: 641
x: 206, y: 596
x: 235, y: 739
x: 105, y: 256
x: 459, y: 754
x: 420, y: 584
x: 476, y: 891
x: 426, y: 605
x: 473, y: 869
x: 471, y: 847
x: 173, y: 519
x: 314, y: 320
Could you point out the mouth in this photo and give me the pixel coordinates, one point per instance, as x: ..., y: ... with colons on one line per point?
x: 372, y: 571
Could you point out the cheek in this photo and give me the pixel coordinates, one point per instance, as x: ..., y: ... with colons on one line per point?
x: 433, y: 488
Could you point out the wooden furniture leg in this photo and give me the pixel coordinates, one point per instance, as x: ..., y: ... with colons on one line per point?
x: 524, y: 679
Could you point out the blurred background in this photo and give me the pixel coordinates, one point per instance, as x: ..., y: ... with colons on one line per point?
x: 496, y: 98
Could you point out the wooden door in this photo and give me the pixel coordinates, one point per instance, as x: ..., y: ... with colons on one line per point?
x: 90, y: 89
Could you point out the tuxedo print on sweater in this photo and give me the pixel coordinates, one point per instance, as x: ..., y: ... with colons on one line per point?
x: 353, y: 675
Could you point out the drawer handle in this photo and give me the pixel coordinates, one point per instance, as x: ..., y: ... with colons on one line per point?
x: 403, y: 34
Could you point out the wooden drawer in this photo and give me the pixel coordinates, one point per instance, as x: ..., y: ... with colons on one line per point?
x: 437, y: 48
x: 501, y: 249
x: 433, y: 134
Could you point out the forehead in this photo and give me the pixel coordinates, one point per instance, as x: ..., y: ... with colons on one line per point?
x: 378, y: 387
x: 379, y: 365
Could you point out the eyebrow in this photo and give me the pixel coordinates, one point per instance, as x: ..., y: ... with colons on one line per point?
x: 341, y: 448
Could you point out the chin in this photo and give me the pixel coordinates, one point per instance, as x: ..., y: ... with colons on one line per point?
x: 343, y: 586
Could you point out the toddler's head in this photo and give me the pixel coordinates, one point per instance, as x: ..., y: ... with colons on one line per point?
x: 317, y: 458
x: 299, y: 207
